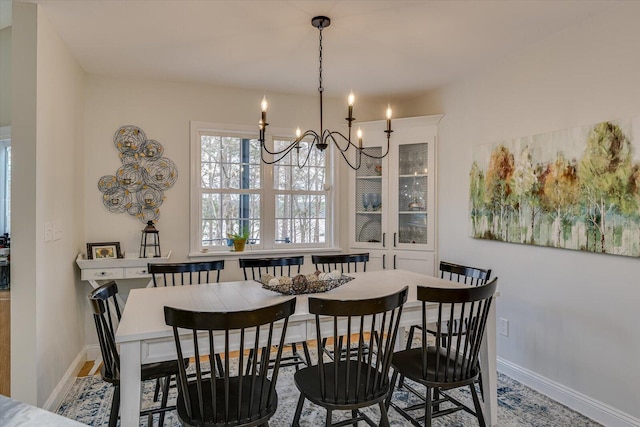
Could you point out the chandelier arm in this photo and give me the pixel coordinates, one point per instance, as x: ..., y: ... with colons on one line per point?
x: 358, y: 159
x: 282, y: 154
x: 373, y: 156
x: 351, y: 144
x: 285, y: 151
x: 276, y: 160
x: 306, y: 159
x: 330, y: 135
x: 288, y: 148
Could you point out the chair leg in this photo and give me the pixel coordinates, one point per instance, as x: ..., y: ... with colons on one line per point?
x: 115, y: 407
x: 165, y: 397
x: 354, y: 415
x: 436, y: 396
x: 294, y: 350
x: 392, y: 386
x: 219, y: 365
x: 412, y: 329
x: 384, y: 419
x: 156, y: 392
x: 307, y: 355
x: 428, y: 408
x: 249, y: 360
x: 296, y: 417
x: 327, y: 423
x: 476, y: 404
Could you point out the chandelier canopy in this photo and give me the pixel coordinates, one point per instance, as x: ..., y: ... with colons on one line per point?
x: 322, y: 139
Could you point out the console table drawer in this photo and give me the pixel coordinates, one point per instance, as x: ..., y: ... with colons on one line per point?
x: 133, y: 272
x: 102, y: 273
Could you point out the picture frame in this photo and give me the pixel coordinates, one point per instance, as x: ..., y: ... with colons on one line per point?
x: 103, y: 250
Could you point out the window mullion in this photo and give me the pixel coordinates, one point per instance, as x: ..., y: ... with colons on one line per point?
x: 268, y: 203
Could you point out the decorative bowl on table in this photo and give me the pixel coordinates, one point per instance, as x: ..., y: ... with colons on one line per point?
x: 304, y: 283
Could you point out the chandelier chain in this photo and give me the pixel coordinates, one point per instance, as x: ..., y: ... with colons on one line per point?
x: 320, y: 88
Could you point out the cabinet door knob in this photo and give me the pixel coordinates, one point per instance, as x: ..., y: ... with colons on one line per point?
x: 394, y: 240
x: 384, y: 240
x: 384, y: 265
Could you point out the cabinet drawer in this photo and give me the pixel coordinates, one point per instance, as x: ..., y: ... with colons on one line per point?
x: 102, y: 273
x: 133, y: 272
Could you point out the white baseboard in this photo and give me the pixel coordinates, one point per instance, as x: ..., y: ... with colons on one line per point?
x: 61, y: 390
x: 589, y: 407
x: 93, y: 351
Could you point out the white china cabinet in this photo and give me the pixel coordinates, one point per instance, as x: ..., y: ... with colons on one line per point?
x: 392, y: 211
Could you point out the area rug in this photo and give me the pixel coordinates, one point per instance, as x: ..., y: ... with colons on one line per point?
x: 89, y: 401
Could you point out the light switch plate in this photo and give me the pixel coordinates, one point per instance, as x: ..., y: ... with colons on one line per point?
x: 57, y: 230
x: 48, y: 231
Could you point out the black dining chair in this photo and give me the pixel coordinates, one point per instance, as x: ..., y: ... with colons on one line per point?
x: 185, y: 273
x: 278, y: 267
x: 346, y: 263
x: 107, y: 314
x: 471, y: 276
x: 239, y: 397
x: 361, y: 380
x: 452, y: 360
x: 275, y: 266
x: 342, y: 262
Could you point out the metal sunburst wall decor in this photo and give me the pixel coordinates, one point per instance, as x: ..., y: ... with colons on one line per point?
x: 139, y: 184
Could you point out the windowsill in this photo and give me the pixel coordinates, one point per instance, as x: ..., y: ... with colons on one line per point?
x: 262, y: 252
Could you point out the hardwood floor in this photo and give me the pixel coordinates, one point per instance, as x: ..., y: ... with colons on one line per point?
x: 5, y: 342
x: 86, y: 368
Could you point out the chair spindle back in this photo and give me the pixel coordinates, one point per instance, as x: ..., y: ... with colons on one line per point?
x: 240, y: 396
x: 327, y: 263
x: 188, y: 273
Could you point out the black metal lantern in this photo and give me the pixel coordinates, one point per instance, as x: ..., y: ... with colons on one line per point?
x: 150, y: 241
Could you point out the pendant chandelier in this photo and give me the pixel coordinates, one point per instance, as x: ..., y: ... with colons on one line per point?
x: 322, y: 139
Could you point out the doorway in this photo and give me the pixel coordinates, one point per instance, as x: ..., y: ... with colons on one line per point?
x: 5, y: 262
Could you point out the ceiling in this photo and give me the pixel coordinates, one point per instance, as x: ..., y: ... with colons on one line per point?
x: 390, y: 48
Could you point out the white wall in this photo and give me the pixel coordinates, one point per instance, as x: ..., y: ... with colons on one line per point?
x: 163, y: 110
x: 48, y: 302
x: 573, y: 316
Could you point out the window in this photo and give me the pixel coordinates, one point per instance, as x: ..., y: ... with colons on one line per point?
x: 280, y: 206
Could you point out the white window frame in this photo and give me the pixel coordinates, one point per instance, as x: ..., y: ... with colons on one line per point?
x: 5, y: 141
x: 267, y: 198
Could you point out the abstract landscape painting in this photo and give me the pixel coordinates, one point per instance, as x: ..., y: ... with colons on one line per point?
x: 575, y: 188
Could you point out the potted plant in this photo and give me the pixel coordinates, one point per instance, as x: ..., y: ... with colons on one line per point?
x: 239, y: 240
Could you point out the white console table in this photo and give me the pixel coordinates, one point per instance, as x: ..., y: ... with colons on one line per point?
x: 95, y: 270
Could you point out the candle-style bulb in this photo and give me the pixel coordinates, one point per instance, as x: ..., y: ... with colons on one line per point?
x: 264, y: 104
x: 350, y: 99
x: 298, y: 132
x: 388, y: 111
x: 359, y: 133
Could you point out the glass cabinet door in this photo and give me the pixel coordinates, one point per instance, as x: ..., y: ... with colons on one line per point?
x: 369, y: 198
x: 413, y: 180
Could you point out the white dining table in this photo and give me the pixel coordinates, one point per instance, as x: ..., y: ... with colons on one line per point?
x: 144, y: 337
